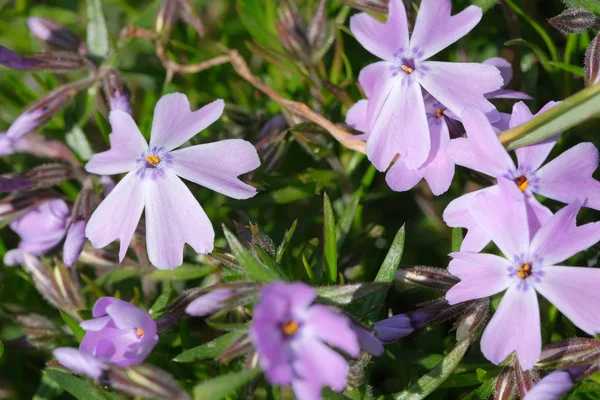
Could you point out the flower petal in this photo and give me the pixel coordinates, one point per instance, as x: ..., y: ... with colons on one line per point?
x: 537, y: 215
x: 533, y: 156
x: 318, y: 363
x: 436, y: 29
x: 400, y: 128
x: 382, y: 39
x: 209, y: 303
x: 118, y: 215
x: 481, y: 275
x: 481, y: 150
x: 507, y: 94
x: 400, y: 179
x: 217, y: 166
x: 174, y: 122
x: 552, y: 387
x: 127, y: 316
x: 503, y: 66
x: 503, y: 217
x: 356, y: 117
x: 569, y: 177
x: 173, y: 218
x: 126, y: 145
x: 394, y: 328
x: 574, y: 291
x: 333, y: 328
x: 438, y: 170
x: 514, y: 327
x: 560, y: 237
x: 79, y: 362
x: 461, y: 85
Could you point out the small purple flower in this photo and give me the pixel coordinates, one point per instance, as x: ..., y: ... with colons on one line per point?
x: 552, y: 387
x: 74, y: 243
x: 173, y: 216
x: 566, y: 178
x: 531, y: 264
x: 120, y: 333
x: 80, y: 362
x: 290, y: 334
x: 209, y: 303
x: 394, y: 328
x: 397, y: 118
x: 55, y: 34
x: 40, y: 229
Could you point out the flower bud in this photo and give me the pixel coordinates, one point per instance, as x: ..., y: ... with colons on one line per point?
x: 39, y: 330
x: 38, y: 112
x: 574, y: 20
x: 472, y: 319
x: 116, y: 92
x: 167, y: 14
x: 44, y: 176
x: 190, y: 16
x: 592, y: 62
x: 430, y: 277
x: 57, y: 62
x: 569, y: 353
x: 55, y: 35
x: 17, y: 204
x: 506, y: 388
x: 379, y: 6
x: 146, y: 381
x: 40, y: 146
x: 394, y: 328
x: 74, y: 243
x: 58, y: 286
x: 367, y: 339
x: 292, y: 33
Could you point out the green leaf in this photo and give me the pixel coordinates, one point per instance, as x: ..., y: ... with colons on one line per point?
x: 103, y: 126
x: 77, y: 141
x: 330, y: 243
x: 591, y: 5
x: 48, y: 389
x: 117, y: 275
x: 97, y: 34
x: 73, y: 325
x: 258, y: 17
x: 208, y: 350
x: 161, y: 303
x: 387, y: 271
x: 457, y: 239
x: 286, y: 241
x: 345, y: 222
x: 255, y: 269
x: 346, y: 294
x: 79, y: 388
x: 485, y: 5
x: 535, y: 48
x: 185, y: 272
x: 572, y: 111
x: 1, y: 348
x: 224, y: 385
x: 437, y: 376
x: 575, y: 70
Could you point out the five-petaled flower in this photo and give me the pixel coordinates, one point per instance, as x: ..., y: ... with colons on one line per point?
x: 173, y: 216
x: 531, y: 264
x: 289, y: 333
x: 397, y: 118
x: 566, y: 178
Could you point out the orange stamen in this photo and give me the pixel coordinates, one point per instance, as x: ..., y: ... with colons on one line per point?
x: 140, y: 332
x: 153, y: 160
x: 406, y: 69
x: 438, y: 113
x: 522, y: 183
x: 289, y: 328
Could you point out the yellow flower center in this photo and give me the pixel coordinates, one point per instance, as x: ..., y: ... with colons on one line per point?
x: 289, y: 328
x: 153, y: 160
x: 438, y: 113
x: 522, y: 183
x: 140, y: 332
x: 406, y: 69
x: 525, y: 271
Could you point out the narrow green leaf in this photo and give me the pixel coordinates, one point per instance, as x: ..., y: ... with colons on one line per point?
x: 345, y: 222
x: 387, y: 271
x: 161, y: 303
x: 286, y: 241
x: 208, y: 350
x: 330, y: 244
x: 79, y: 388
x: 269, y: 261
x: 573, y: 69
x: 73, y: 325
x: 224, y: 385
x: 184, y: 272
x: 572, y: 111
x: 346, y: 294
x: 434, y: 378
x: 117, y: 275
x: 48, y: 389
x: 1, y: 348
x: 97, y: 34
x: 103, y: 126
x: 537, y: 50
x: 457, y: 239
x: 255, y: 269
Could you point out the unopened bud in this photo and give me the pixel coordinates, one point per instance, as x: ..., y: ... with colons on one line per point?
x: 38, y: 112
x: 317, y: 30
x: 292, y: 33
x: 251, y: 236
x: 394, y: 328
x: 57, y: 285
x: 165, y: 18
x: 472, y: 319
x: 430, y: 277
x: 592, y: 62
x: 523, y: 379
x: 574, y: 20
x: 238, y: 347
x: 39, y: 330
x: 569, y: 353
x: 190, y: 16
x: 116, y: 92
x: 56, y: 62
x: 44, y: 176
x: 55, y: 35
x: 146, y: 381
x: 40, y: 146
x: 16, y: 204
x: 379, y: 6
x: 506, y: 387
x: 74, y: 242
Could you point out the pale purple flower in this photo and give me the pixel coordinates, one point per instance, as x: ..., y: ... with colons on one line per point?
x: 397, y: 119
x: 552, y: 387
x: 438, y: 169
x: 25, y: 123
x: 566, y: 178
x: 41, y: 228
x: 209, y: 303
x: 74, y: 242
x: 531, y: 264
x: 6, y: 145
x: 120, y: 333
x: 507, y: 74
x: 80, y: 362
x: 291, y: 335
x: 173, y: 216
x: 367, y: 341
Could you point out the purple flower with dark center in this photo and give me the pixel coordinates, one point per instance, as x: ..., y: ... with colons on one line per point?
x: 291, y: 335
x: 40, y: 229
x: 80, y: 362
x: 531, y: 264
x: 552, y: 387
x: 397, y: 119
x: 120, y: 333
x: 566, y: 178
x: 173, y: 216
